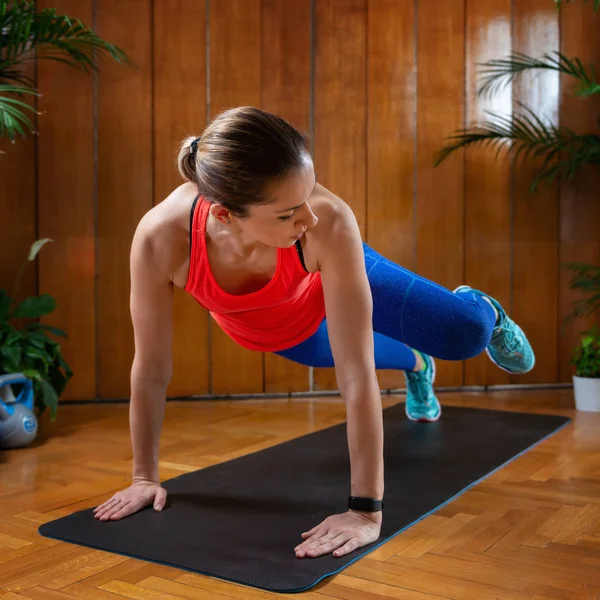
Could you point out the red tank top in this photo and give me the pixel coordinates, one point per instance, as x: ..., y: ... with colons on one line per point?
x: 283, y: 313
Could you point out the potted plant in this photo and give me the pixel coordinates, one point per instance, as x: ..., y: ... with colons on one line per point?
x: 25, y: 344
x: 27, y: 34
x: 586, y: 381
x: 564, y: 153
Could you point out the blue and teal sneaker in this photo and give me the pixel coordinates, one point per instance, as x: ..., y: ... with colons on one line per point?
x: 509, y: 348
x: 421, y: 403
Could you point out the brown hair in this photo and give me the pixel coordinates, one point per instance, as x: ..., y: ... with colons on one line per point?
x: 239, y: 153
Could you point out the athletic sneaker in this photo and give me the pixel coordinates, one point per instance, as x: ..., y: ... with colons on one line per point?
x: 509, y: 348
x: 421, y: 403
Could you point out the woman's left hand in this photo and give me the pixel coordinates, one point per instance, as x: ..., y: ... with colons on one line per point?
x: 340, y: 534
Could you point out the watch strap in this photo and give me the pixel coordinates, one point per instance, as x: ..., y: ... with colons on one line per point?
x: 365, y: 504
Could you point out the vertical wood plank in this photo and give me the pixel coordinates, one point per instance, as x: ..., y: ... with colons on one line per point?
x: 179, y: 110
x: 18, y: 206
x: 124, y: 181
x: 66, y: 206
x: 235, y: 65
x: 579, y: 204
x: 285, y: 87
x: 390, y: 140
x: 440, y: 192
x: 535, y: 215
x: 487, y: 194
x: 340, y: 112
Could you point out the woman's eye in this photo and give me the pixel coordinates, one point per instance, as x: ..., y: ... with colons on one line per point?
x: 286, y: 218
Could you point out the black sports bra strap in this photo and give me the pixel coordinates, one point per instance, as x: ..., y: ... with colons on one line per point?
x: 300, y: 254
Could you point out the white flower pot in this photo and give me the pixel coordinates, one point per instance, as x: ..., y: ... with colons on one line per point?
x: 587, y: 393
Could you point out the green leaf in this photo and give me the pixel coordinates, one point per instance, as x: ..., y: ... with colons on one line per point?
x: 11, y: 353
x: 35, y: 306
x: 49, y: 397
x: 54, y: 330
x: 524, y: 135
x: 29, y: 33
x: 13, y: 119
x: 496, y: 74
x: 65, y: 366
x: 36, y: 247
x: 32, y: 374
x: 12, y: 337
x: 57, y: 379
x: 37, y: 354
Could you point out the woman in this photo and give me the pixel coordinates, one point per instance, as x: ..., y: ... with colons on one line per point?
x: 279, y: 262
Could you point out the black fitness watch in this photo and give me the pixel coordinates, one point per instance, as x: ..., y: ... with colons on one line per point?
x: 365, y: 504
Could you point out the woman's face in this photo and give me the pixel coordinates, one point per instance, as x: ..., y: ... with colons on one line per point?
x: 284, y: 220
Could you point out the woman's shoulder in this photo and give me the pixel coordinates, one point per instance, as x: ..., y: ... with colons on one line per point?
x: 162, y: 234
x: 334, y: 214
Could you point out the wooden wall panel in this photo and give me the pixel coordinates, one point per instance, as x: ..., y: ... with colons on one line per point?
x: 376, y: 127
x: 66, y: 208
x: 340, y: 112
x: 390, y: 141
x: 18, y: 206
x: 440, y: 191
x: 535, y: 215
x: 286, y: 91
x: 124, y: 181
x: 579, y: 201
x: 487, y: 193
x: 235, y: 44
x: 179, y: 76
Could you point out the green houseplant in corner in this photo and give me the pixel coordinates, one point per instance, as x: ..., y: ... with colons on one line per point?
x: 28, y: 348
x: 27, y: 34
x: 562, y: 154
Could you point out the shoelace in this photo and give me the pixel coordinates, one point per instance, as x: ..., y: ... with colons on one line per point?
x: 416, y: 389
x: 510, y: 339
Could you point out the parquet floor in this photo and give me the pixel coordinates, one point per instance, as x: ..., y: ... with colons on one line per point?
x: 531, y: 531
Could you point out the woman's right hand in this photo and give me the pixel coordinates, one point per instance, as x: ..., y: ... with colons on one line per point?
x: 138, y: 495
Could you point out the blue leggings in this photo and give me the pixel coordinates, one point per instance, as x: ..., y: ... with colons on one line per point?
x: 410, y: 312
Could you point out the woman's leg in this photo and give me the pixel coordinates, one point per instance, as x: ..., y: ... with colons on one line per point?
x: 409, y: 310
x: 448, y: 325
x: 421, y: 403
x: 316, y: 352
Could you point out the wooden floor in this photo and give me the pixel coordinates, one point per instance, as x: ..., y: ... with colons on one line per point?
x: 529, y: 531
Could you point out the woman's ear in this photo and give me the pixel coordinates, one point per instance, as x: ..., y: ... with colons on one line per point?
x: 220, y: 213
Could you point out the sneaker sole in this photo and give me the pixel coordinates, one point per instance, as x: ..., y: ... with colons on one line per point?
x: 424, y: 419
x: 487, y: 349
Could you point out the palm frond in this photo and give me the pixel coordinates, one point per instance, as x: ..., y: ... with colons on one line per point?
x: 27, y: 33
x: 496, y: 74
x: 585, y: 278
x: 10, y: 75
x: 524, y: 135
x: 559, y: 3
x: 13, y: 119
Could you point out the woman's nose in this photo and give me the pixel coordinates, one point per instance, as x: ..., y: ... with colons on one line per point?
x: 307, y: 218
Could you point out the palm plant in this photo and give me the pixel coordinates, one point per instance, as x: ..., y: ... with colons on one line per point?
x: 27, y: 34
x: 562, y: 153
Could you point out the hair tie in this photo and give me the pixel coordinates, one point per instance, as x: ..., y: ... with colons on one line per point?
x: 194, y: 146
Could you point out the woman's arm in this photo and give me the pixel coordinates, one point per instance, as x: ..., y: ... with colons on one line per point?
x: 151, y: 305
x: 348, y: 305
x: 349, y: 310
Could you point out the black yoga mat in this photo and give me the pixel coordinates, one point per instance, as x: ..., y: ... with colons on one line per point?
x: 240, y: 520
